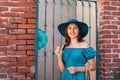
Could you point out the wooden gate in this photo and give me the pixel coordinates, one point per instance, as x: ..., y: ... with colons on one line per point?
x: 50, y: 14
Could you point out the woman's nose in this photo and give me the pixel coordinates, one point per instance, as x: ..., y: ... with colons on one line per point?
x: 72, y: 30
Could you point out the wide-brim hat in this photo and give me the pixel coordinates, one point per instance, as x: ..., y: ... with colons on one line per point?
x: 83, y: 26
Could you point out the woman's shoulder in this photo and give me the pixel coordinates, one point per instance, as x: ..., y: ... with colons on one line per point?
x: 84, y: 44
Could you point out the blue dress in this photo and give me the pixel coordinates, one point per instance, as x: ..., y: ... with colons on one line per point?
x: 76, y: 57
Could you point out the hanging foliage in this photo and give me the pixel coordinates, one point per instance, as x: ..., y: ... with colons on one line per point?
x: 42, y: 39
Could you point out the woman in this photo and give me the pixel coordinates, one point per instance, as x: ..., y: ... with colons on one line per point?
x: 76, y: 52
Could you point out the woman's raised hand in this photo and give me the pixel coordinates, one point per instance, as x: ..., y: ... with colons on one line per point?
x: 58, y: 51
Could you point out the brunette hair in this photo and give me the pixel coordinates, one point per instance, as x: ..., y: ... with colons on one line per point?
x: 67, y: 38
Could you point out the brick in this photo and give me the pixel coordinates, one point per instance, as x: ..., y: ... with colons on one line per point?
x: 26, y: 26
x: 104, y: 78
x: 8, y: 37
x: 116, y: 50
x: 110, y: 55
x: 9, y: 48
x: 110, y: 8
x: 110, y: 27
x: 26, y: 47
x: 25, y: 70
x: 31, y: 21
x: 3, y: 75
x: 3, y: 31
x: 30, y: 53
x: 17, y: 31
x: 19, y: 9
x: 8, y: 14
x: 28, y: 4
x: 3, y: 19
x: 108, y: 17
x: 24, y: 1
x: 3, y: 9
x: 16, y: 53
x: 105, y: 32
x: 105, y: 12
x: 11, y: 76
x: 109, y: 36
x: 17, y: 42
x: 31, y: 31
x: 9, y: 4
x: 110, y: 65
x: 26, y: 36
x: 32, y: 10
x: 23, y: 9
x: 30, y: 75
x: 3, y: 42
x: 105, y: 50
x: 3, y: 37
x: 115, y: 69
x: 16, y: 64
x: 30, y: 63
x: 106, y: 3
x: 115, y: 22
x: 26, y: 58
x: 2, y: 53
x: 105, y: 60
x: 4, y: 0
x: 116, y: 60
x: 115, y: 41
x: 118, y: 18
x: 115, y: 3
x: 105, y: 41
x: 7, y: 69
x: 31, y: 1
x: 9, y: 26
x: 118, y: 8
x: 108, y: 74
x: 3, y: 64
x: 27, y: 15
x: 106, y: 69
x: 116, y: 32
x: 110, y: 46
x: 17, y: 20
x: 7, y: 59
x: 20, y: 76
x: 30, y: 41
x: 104, y: 22
x: 115, y: 13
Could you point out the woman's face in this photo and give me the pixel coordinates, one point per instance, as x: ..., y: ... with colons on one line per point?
x: 72, y: 31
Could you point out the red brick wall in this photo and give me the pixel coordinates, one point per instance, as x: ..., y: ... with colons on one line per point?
x: 17, y: 29
x: 109, y: 38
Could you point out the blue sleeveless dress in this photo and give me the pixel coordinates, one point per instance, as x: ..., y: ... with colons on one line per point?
x: 76, y: 57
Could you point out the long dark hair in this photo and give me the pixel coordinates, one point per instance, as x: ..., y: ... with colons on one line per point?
x: 67, y: 38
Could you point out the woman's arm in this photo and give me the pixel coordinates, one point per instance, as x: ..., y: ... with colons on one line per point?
x: 60, y: 64
x: 58, y: 52
x: 90, y: 63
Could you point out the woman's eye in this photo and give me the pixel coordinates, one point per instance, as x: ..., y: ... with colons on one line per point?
x: 75, y: 28
x: 69, y: 28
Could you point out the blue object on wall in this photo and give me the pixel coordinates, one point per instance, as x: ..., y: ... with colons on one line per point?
x: 42, y: 39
